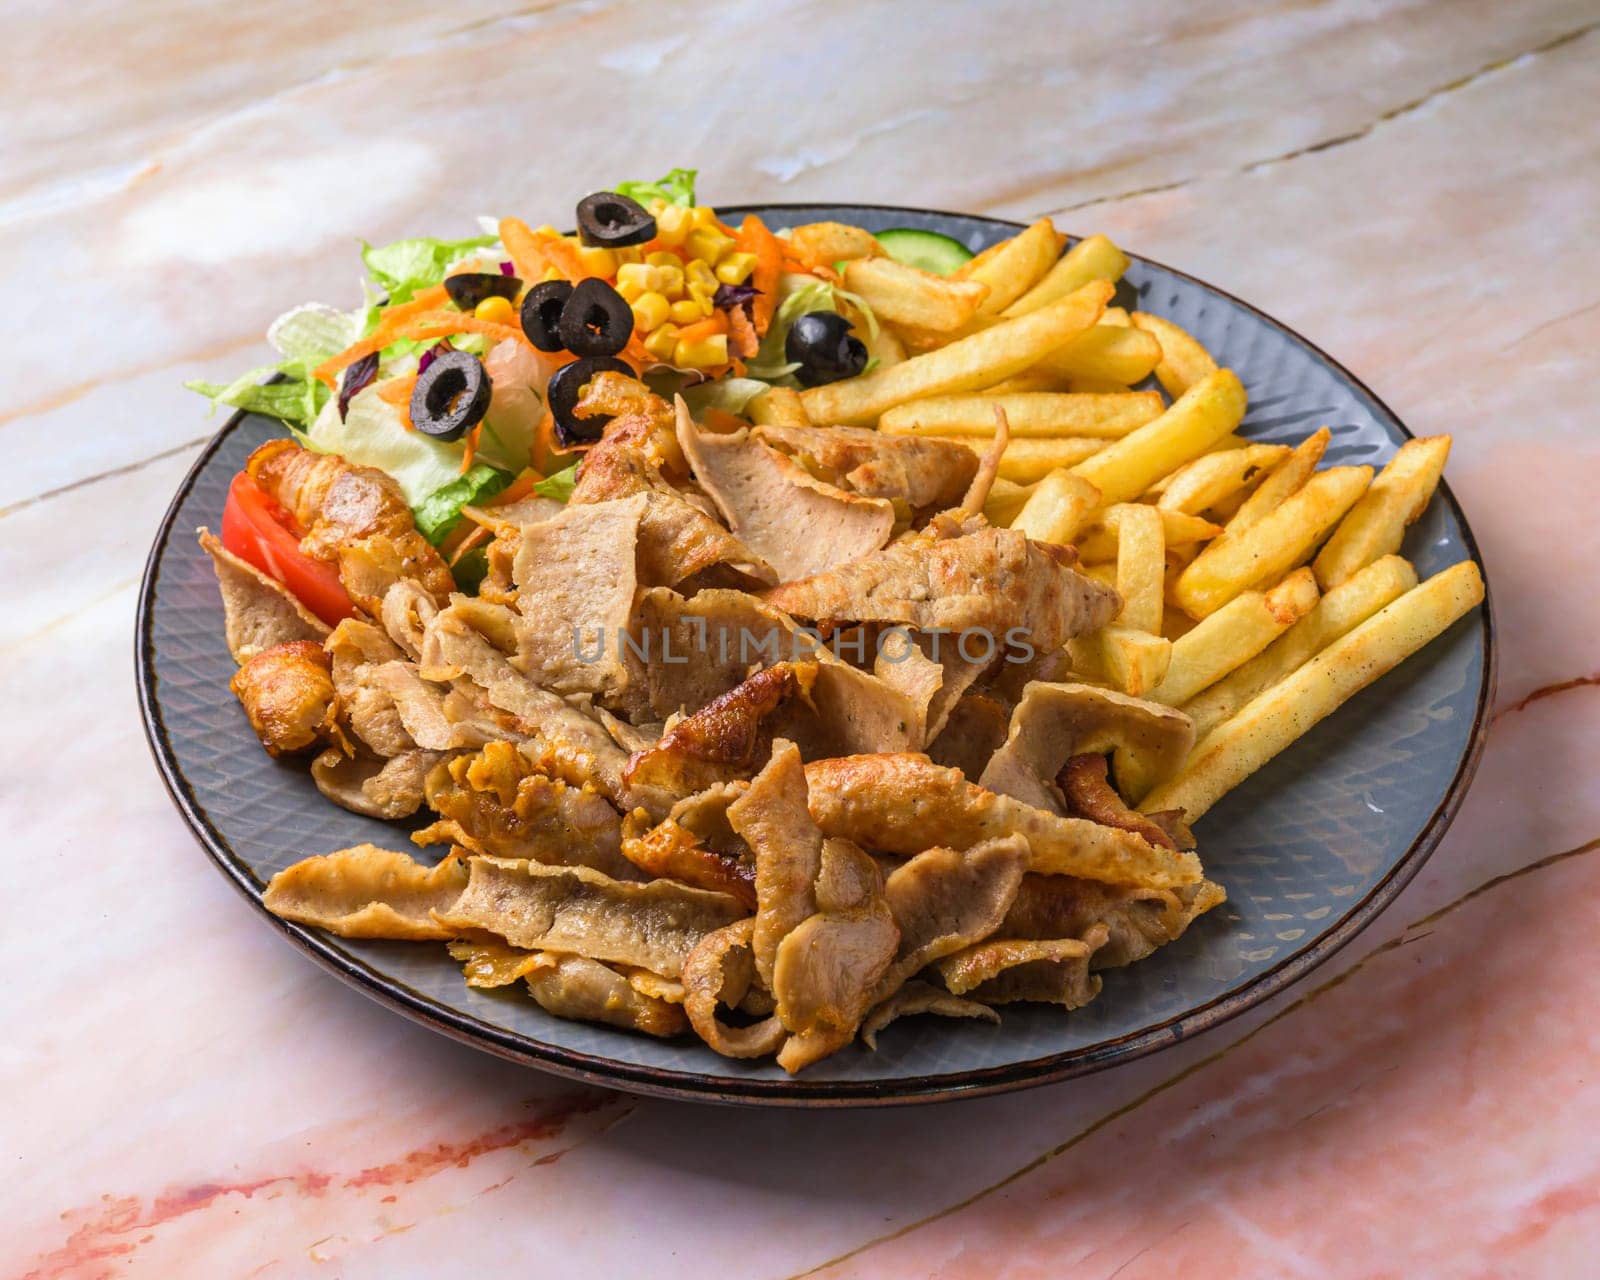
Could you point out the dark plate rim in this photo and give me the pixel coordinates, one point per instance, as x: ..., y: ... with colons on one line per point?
x: 732, y: 1090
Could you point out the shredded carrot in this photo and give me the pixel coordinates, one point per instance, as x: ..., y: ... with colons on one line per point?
x: 755, y: 237
x: 741, y: 333
x: 707, y: 328
x: 475, y: 536
x: 523, y: 247
x: 393, y: 319
x: 397, y: 390
x: 518, y: 489
x: 637, y: 355
x: 471, y: 450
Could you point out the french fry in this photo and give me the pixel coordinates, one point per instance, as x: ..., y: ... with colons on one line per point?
x: 1085, y: 386
x: 830, y: 242
x: 1133, y: 662
x: 1117, y: 316
x: 1117, y: 353
x: 884, y: 346
x: 968, y: 364
x: 1028, y: 460
x: 1183, y: 360
x: 1099, y: 540
x: 1233, y: 635
x: 1056, y: 507
x: 1037, y: 413
x: 1092, y: 258
x: 1006, y: 499
x: 1106, y: 573
x: 1013, y: 266
x: 1141, y: 564
x: 1200, y: 485
x: 1376, y: 525
x: 1344, y: 607
x: 1029, y: 380
x: 904, y: 295
x: 1267, y: 550
x: 1211, y: 408
x: 779, y: 407
x: 1274, y: 719
x: 1083, y: 653
x: 1283, y: 480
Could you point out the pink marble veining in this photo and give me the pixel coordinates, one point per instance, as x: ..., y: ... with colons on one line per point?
x: 1411, y: 183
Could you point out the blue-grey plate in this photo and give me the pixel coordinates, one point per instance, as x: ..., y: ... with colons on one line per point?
x: 1311, y: 848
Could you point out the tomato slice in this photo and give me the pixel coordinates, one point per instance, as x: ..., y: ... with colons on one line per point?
x: 259, y: 531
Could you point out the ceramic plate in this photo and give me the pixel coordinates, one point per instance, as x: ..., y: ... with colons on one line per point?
x: 1311, y: 848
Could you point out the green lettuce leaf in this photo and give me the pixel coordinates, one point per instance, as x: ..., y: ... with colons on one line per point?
x: 373, y: 434
x: 406, y: 266
x: 440, y: 511
x: 560, y: 485
x: 298, y: 400
x: 731, y: 395
x: 676, y: 188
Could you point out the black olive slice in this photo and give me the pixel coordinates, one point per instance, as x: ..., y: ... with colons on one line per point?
x: 609, y: 221
x: 451, y: 394
x: 470, y: 288
x: 821, y: 343
x: 561, y: 396
x: 541, y: 313
x: 596, y: 320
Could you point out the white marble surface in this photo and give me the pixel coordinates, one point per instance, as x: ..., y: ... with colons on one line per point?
x: 1413, y: 186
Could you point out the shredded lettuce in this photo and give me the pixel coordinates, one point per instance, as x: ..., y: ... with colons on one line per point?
x: 799, y: 295
x: 406, y: 266
x: 439, y: 513
x: 373, y: 435
x: 296, y: 399
x: 560, y: 485
x: 676, y: 188
x: 731, y: 395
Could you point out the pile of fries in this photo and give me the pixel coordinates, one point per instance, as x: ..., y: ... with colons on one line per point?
x: 1260, y: 592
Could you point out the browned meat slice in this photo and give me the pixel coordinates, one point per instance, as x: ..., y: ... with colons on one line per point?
x: 367, y: 892
x: 973, y: 732
x: 488, y: 962
x: 584, y: 989
x: 438, y: 717
x: 990, y: 581
x: 1137, y: 920
x: 575, y: 581
x: 257, y: 611
x: 796, y: 523
x: 287, y: 691
x: 1090, y: 795
x: 921, y: 997
x: 773, y: 819
x: 925, y: 473
x: 720, y: 972
x: 848, y: 711
x: 353, y: 516
x: 903, y: 804
x: 1050, y: 972
x: 1055, y: 722
x: 685, y: 652
x: 356, y: 650
x: 579, y: 911
x: 391, y: 788
x: 503, y: 801
x: 671, y: 851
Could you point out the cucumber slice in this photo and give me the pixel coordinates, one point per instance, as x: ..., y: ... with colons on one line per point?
x: 926, y: 250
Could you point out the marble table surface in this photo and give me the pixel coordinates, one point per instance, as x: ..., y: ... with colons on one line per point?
x: 1413, y: 184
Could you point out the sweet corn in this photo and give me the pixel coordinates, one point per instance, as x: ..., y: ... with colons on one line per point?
x: 669, y: 281
x: 702, y: 354
x: 634, y: 280
x: 697, y: 273
x: 629, y: 253
x: 663, y: 343
x: 650, y: 311
x: 689, y: 310
x: 703, y: 215
x: 551, y: 273
x: 736, y: 268
x: 708, y: 244
x: 597, y: 261
x: 673, y: 224
x: 496, y: 310
x: 547, y: 230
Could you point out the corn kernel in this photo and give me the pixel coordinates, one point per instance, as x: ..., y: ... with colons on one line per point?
x: 629, y: 253
x: 704, y: 295
x: 708, y: 244
x: 634, y: 279
x: 551, y: 273
x: 669, y: 281
x: 736, y: 268
x: 673, y: 223
x: 496, y: 310
x: 650, y: 311
x: 696, y: 272
x: 686, y: 311
x: 597, y: 261
x: 703, y: 353
x: 547, y: 230
x: 703, y: 215
x: 663, y: 343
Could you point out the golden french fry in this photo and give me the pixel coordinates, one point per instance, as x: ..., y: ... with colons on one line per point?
x: 779, y: 407
x: 884, y: 346
x: 1175, y: 624
x: 1028, y: 381
x: 1056, y: 507
x: 1200, y: 485
x: 1005, y: 501
x: 1183, y: 360
x: 1344, y: 607
x: 1093, y: 258
x: 1268, y: 549
x: 968, y: 364
x: 1099, y: 540
x: 1106, y: 573
x: 1013, y: 266
x: 1210, y: 408
x: 832, y: 241
x: 1376, y: 525
x: 1117, y: 316
x: 1118, y: 353
x: 1274, y: 719
x: 1035, y: 413
x: 904, y: 295
x: 1028, y: 460
x: 1283, y: 480
x: 1085, y: 386
x: 1133, y: 662
x: 1233, y: 635
x: 1141, y: 563
x: 1083, y: 653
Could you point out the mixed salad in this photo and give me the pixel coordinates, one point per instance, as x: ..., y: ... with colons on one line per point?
x: 460, y: 374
